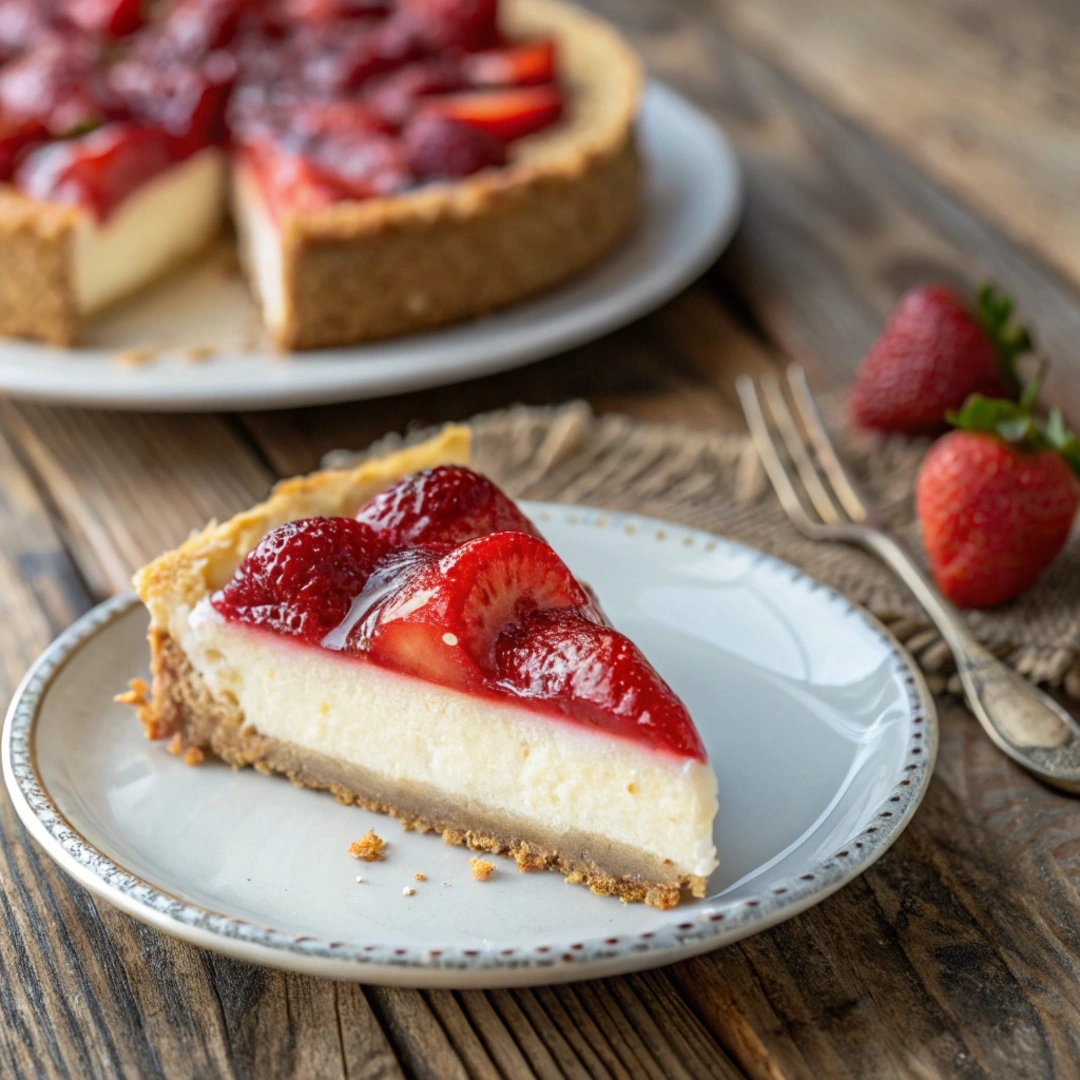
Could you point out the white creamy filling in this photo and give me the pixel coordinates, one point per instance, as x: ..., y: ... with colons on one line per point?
x: 504, y: 757
x: 160, y: 224
x: 260, y: 240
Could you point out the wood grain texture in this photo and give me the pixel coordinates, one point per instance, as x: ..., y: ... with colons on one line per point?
x: 958, y: 953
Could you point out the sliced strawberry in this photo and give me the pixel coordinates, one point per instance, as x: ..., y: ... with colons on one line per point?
x: 469, y: 24
x: 461, y: 602
x: 107, y: 18
x: 301, y: 579
x: 596, y: 676
x: 445, y: 505
x: 505, y: 115
x: 97, y: 171
x: 443, y: 149
x: 527, y: 64
x: 394, y: 95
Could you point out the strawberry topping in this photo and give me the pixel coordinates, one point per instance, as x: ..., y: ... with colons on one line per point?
x: 436, y: 579
x: 505, y: 115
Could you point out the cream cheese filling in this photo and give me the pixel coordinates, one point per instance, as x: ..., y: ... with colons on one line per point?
x: 499, y: 755
x: 166, y: 220
x: 261, y: 249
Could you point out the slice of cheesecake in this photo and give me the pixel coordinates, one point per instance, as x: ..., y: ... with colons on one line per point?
x: 401, y: 635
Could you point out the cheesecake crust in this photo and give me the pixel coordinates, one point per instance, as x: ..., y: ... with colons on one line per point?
x: 182, y: 705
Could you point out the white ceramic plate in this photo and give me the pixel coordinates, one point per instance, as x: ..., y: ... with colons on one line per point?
x: 693, y: 200
x: 820, y: 729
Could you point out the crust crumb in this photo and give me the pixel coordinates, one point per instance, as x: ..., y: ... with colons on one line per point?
x: 199, y: 354
x: 420, y: 877
x: 408, y: 891
x: 369, y: 848
x: 137, y: 694
x: 481, y: 868
x: 134, y: 357
x: 193, y: 756
x: 176, y: 745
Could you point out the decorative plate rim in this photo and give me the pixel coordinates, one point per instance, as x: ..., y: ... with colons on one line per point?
x: 707, y: 925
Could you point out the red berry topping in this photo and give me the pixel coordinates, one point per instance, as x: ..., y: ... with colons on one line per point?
x: 301, y: 578
x: 470, y: 24
x: 107, y: 18
x: 441, y: 148
x: 505, y: 115
x: 933, y: 354
x: 96, y: 171
x: 462, y: 601
x: 445, y: 505
x: 519, y: 65
x: 597, y: 676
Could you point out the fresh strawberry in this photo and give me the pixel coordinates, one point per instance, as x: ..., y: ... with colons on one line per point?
x: 996, y: 500
x: 107, y: 18
x: 301, y: 578
x: 518, y: 65
x: 445, y: 505
x: 931, y: 355
x: 443, y: 149
x: 595, y: 675
x: 443, y: 621
x: 505, y: 115
x: 96, y: 171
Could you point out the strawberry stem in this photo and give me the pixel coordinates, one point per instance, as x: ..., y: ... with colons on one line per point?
x: 1009, y: 339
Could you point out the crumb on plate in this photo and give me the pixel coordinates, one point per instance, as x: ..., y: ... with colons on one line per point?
x: 176, y: 744
x: 369, y: 848
x: 481, y: 868
x: 136, y: 694
x: 421, y: 877
x: 134, y: 357
x: 193, y: 756
x: 408, y: 891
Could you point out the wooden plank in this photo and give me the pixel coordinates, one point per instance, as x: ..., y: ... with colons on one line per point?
x: 978, y: 95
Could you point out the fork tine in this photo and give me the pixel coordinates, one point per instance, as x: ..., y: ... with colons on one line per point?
x: 770, y: 457
x: 796, y: 448
x: 846, y: 489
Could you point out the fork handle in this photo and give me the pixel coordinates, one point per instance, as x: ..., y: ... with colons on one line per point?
x: 1028, y: 725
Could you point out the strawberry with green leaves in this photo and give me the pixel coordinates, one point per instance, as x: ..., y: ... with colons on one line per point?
x: 932, y: 355
x: 996, y: 499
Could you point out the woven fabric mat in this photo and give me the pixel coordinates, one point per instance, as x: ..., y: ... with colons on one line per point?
x: 715, y: 482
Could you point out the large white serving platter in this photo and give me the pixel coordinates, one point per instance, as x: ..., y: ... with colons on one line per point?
x: 693, y: 201
x: 820, y: 728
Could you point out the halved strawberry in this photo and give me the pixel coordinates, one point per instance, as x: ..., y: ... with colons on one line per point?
x: 505, y: 115
x: 444, y: 619
x: 527, y: 64
x: 302, y: 578
x: 596, y: 676
x: 96, y: 171
x: 445, y: 505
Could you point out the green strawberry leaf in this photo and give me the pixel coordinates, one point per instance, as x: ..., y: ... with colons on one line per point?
x: 1062, y: 440
x: 1010, y: 340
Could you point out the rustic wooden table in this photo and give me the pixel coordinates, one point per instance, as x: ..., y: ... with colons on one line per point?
x: 883, y: 144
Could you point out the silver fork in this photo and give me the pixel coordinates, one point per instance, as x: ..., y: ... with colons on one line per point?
x: 1028, y: 725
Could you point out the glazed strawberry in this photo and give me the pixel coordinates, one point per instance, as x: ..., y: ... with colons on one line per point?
x: 445, y: 505
x: 439, y: 148
x: 444, y: 619
x: 996, y: 501
x: 108, y: 18
x: 505, y: 115
x: 394, y: 96
x: 301, y: 578
x: 470, y: 24
x: 931, y: 355
x: 519, y: 65
x: 595, y: 675
x: 96, y: 171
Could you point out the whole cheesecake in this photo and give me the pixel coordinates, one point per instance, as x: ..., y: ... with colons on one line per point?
x: 402, y: 635
x: 390, y: 165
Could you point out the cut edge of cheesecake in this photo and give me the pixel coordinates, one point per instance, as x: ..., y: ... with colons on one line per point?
x: 182, y: 704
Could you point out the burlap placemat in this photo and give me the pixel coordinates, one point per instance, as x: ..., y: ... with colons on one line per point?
x: 715, y: 482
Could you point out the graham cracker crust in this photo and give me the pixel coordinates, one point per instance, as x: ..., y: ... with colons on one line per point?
x: 180, y: 704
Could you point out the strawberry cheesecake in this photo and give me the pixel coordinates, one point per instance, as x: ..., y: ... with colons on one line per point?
x: 402, y: 635
x: 389, y: 165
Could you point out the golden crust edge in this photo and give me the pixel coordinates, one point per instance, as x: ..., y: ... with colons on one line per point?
x: 206, y: 561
